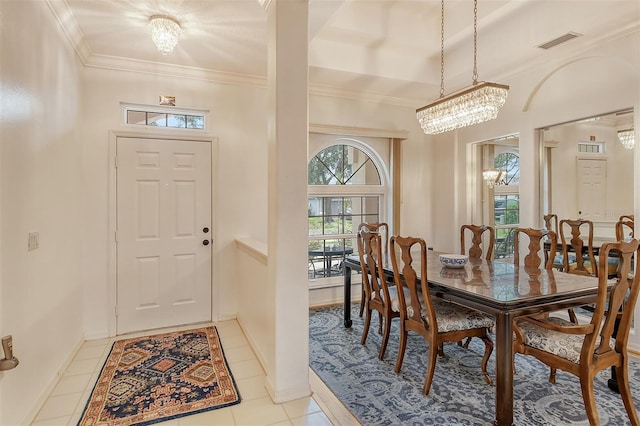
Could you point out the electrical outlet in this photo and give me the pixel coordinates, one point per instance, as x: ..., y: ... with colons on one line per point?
x: 34, y: 240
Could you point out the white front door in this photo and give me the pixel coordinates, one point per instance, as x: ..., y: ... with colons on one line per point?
x: 163, y: 233
x: 592, y: 184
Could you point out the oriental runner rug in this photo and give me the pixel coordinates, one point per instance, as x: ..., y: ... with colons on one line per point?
x: 151, y: 379
x: 377, y: 396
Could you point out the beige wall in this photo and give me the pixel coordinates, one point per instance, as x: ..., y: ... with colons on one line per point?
x: 239, y: 173
x: 55, y: 126
x: 617, y: 198
x: 41, y: 175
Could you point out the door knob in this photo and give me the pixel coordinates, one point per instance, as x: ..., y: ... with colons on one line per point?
x: 205, y: 242
x: 205, y: 230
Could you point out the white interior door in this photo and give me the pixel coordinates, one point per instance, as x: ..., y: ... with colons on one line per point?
x: 592, y: 184
x: 163, y: 233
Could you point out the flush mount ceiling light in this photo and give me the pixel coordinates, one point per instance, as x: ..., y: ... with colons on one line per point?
x: 478, y: 103
x: 627, y: 138
x: 165, y: 32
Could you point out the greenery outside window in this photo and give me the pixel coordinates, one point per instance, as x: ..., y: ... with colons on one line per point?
x: 344, y: 190
x: 506, y: 203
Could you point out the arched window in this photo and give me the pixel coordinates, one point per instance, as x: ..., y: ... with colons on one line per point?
x: 342, y: 165
x: 345, y: 189
x: 509, y: 163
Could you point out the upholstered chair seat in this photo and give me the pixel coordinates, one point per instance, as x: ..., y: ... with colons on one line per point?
x: 567, y: 346
x: 395, y: 301
x: 452, y: 317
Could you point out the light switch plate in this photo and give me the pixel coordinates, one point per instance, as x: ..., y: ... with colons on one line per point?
x: 34, y: 240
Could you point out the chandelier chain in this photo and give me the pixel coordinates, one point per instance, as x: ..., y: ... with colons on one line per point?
x: 442, y: 50
x: 476, y: 104
x: 475, y: 42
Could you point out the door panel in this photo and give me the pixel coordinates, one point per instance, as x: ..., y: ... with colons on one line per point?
x: 592, y: 184
x: 163, y: 205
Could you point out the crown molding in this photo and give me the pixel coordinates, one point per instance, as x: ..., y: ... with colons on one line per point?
x: 62, y: 13
x: 74, y: 35
x: 170, y: 70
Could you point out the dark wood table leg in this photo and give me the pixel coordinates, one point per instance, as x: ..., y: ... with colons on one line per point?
x: 612, y: 383
x: 504, y: 370
x: 347, y: 296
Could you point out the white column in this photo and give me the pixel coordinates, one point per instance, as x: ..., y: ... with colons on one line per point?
x: 288, y: 355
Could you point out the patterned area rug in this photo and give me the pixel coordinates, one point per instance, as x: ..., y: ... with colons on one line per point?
x: 151, y: 379
x: 459, y: 395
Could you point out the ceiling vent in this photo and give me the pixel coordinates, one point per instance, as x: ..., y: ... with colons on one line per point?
x: 559, y: 40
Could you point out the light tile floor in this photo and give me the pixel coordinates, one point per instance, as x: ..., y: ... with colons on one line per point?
x: 67, y: 400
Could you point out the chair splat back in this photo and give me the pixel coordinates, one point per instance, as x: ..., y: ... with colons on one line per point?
x: 551, y: 222
x: 475, y: 250
x: 381, y: 228
x: 624, y: 229
x: 370, y: 249
x: 418, y: 291
x: 534, y: 257
x: 581, y: 242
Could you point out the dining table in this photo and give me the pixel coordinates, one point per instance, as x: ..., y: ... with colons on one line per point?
x: 499, y: 288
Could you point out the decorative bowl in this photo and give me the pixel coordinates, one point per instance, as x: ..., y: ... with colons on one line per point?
x: 454, y: 260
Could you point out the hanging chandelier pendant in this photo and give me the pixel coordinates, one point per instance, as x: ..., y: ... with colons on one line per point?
x: 492, y: 177
x: 627, y: 138
x: 466, y: 107
x: 475, y: 104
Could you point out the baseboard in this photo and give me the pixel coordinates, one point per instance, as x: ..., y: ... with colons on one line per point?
x: 48, y: 388
x: 288, y: 395
x: 252, y: 343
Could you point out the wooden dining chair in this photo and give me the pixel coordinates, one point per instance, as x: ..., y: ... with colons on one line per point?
x: 434, y: 319
x: 577, y: 247
x: 624, y: 229
x: 626, y: 217
x: 475, y: 249
x: 578, y: 252
x: 551, y: 223
x: 584, y: 350
x: 534, y: 259
x: 537, y: 255
x: 380, y: 297
x: 383, y: 229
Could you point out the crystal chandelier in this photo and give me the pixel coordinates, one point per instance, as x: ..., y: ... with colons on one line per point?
x: 627, y: 138
x: 165, y: 32
x: 475, y: 104
x: 492, y: 177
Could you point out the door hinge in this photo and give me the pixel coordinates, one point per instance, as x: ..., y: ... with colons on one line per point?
x: 115, y: 162
x: 115, y: 236
x: 116, y: 310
